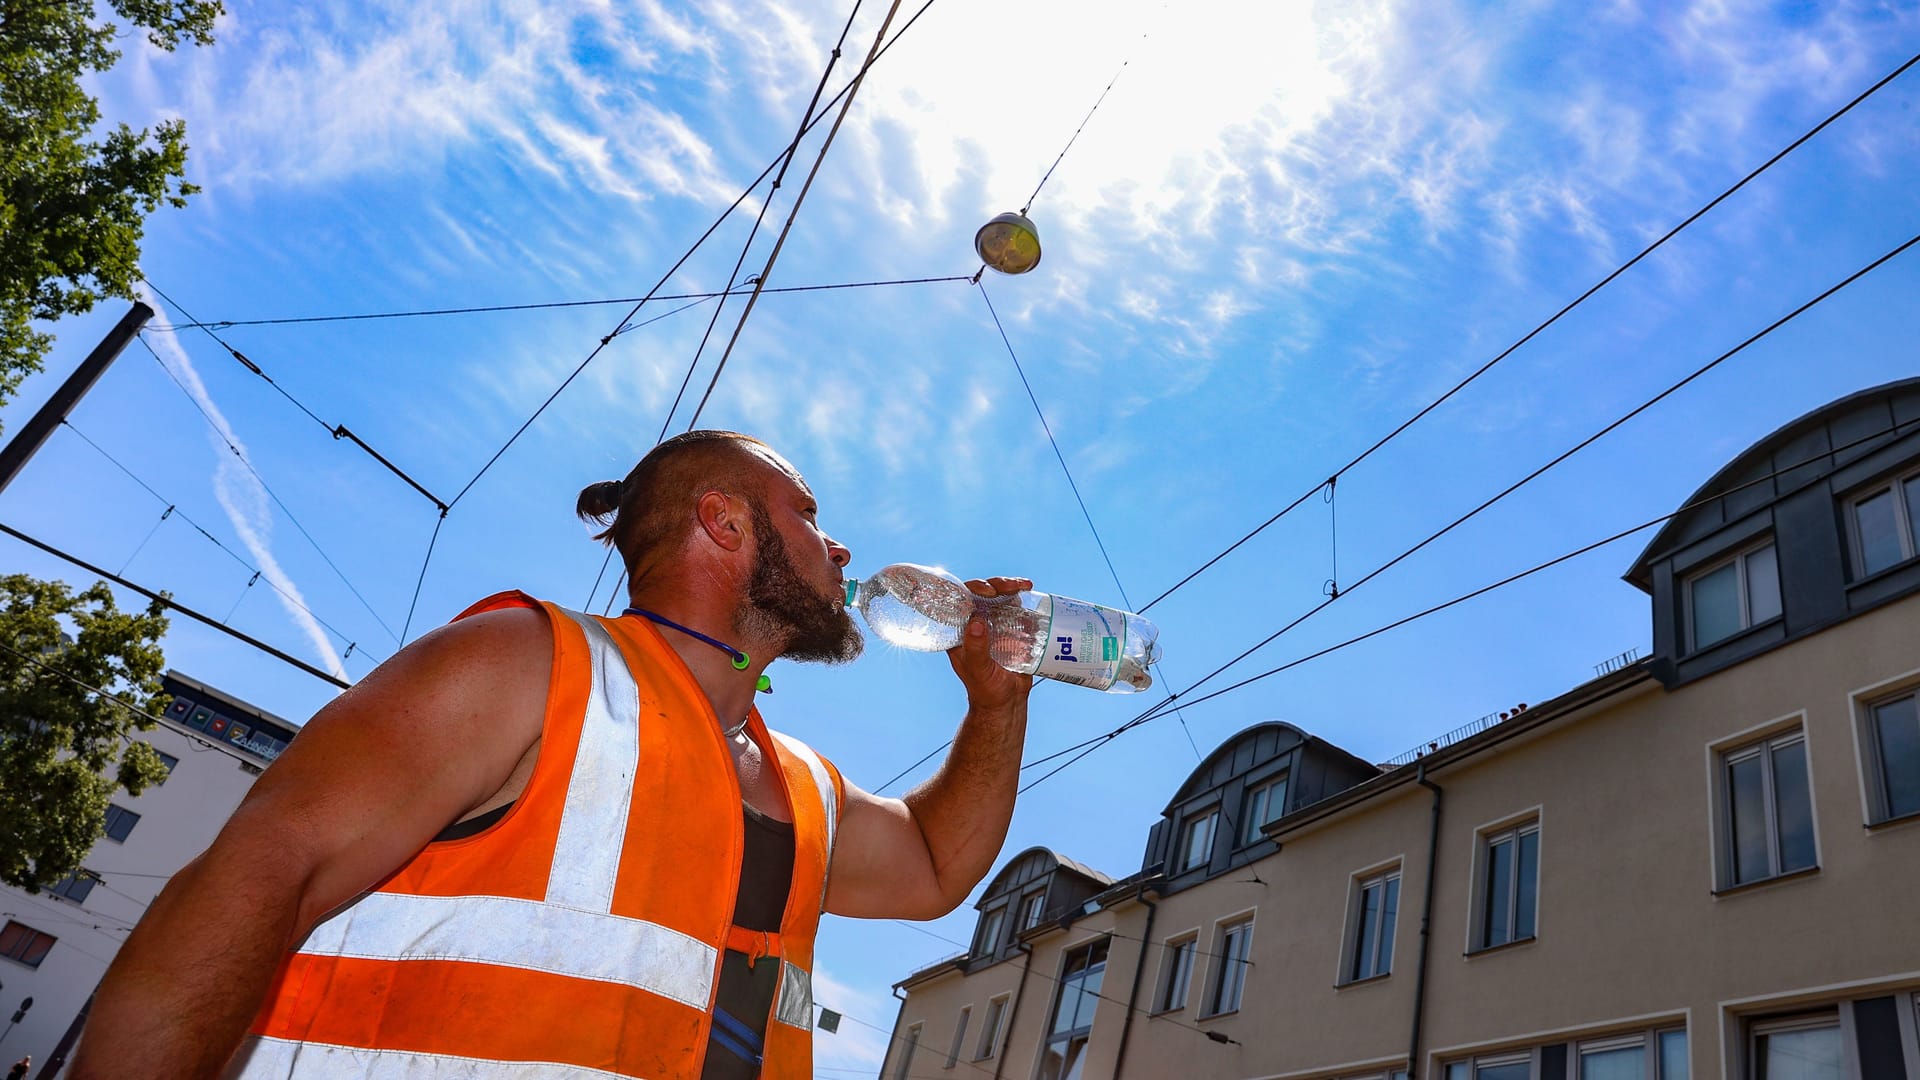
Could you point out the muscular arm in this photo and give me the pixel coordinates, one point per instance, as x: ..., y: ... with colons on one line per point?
x: 428, y: 736
x: 919, y: 856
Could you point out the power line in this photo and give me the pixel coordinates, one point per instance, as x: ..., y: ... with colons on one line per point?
x: 1087, y: 746
x: 681, y: 261
x: 264, y: 486
x: 173, y: 508
x: 169, y: 602
x: 793, y: 213
x: 338, y: 431
x: 1531, y: 334
x: 758, y: 281
x: 550, y: 305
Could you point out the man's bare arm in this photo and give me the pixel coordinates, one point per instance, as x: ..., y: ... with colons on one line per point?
x: 919, y: 856
x: 427, y: 737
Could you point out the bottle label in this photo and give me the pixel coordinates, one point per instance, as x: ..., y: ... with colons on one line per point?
x: 1084, y: 642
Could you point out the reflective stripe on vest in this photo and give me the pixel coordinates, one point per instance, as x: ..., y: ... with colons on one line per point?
x: 586, y: 857
x: 795, y: 1007
x: 317, y: 1061
x: 523, y: 934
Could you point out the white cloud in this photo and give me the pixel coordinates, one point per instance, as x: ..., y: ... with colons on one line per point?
x: 239, y: 491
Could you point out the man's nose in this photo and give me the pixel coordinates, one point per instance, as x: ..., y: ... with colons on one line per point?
x: 838, y: 553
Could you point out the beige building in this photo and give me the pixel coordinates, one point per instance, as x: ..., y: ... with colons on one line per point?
x: 1703, y: 864
x: 56, y: 944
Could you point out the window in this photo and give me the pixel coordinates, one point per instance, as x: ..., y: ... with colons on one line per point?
x: 1798, y: 1048
x: 74, y: 886
x: 1176, y: 973
x: 1893, y: 750
x: 167, y: 760
x: 1741, y: 592
x: 1196, y: 840
x: 120, y: 822
x: 1643, y: 1055
x: 990, y: 1033
x: 1376, y: 906
x: 959, y: 1036
x: 1766, y: 809
x: 1886, y: 525
x: 1031, y: 909
x: 1065, y: 1054
x: 912, y: 1043
x: 21, y: 942
x: 1264, y: 804
x: 990, y: 925
x: 1509, y: 885
x: 1235, y: 942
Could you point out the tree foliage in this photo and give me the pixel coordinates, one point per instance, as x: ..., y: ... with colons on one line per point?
x: 64, y: 750
x: 73, y: 205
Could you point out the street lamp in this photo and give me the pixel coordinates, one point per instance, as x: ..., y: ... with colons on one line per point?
x: 1009, y: 243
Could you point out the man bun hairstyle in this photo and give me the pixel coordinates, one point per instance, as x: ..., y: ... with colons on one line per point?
x: 646, y: 515
x: 598, y: 503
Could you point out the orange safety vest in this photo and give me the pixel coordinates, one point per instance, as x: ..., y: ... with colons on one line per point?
x: 581, y: 935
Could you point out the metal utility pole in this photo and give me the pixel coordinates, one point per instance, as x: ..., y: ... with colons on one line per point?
x: 19, y: 449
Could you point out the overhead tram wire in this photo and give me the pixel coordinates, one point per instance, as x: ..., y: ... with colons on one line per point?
x: 173, y: 508
x: 338, y: 431
x: 675, y: 268
x: 264, y: 486
x: 550, y: 305
x: 733, y: 277
x: 1783, y: 320
x: 175, y: 605
x: 760, y: 279
x: 881, y: 49
x: 1536, y: 331
x: 1089, y: 745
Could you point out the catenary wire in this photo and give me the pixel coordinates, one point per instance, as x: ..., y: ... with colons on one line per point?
x: 169, y: 602
x: 264, y: 486
x: 1581, y: 445
x: 173, y: 508
x: 550, y: 305
x: 793, y: 213
x: 681, y: 261
x: 338, y: 431
x: 1531, y: 334
x: 758, y: 282
x: 1088, y: 745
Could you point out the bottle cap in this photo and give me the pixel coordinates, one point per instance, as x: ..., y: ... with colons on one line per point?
x: 853, y: 588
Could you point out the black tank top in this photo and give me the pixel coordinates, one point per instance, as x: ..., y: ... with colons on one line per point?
x: 747, y: 989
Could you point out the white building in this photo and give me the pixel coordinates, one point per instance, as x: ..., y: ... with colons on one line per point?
x: 55, y: 946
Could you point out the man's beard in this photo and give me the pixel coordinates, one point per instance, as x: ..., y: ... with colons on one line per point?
x: 781, y: 605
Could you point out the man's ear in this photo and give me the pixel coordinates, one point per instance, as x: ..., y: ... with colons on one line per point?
x: 723, y: 519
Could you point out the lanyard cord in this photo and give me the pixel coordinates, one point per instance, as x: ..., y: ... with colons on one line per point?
x: 740, y: 659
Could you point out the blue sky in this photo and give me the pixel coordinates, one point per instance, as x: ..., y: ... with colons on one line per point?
x: 1287, y: 228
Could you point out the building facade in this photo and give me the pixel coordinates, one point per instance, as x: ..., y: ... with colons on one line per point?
x: 1704, y: 865
x: 55, y: 945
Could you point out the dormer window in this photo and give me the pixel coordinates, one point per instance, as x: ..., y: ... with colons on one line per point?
x: 1265, y: 802
x: 1196, y: 840
x: 1732, y: 595
x: 990, y: 927
x: 1885, y: 523
x: 1031, y: 909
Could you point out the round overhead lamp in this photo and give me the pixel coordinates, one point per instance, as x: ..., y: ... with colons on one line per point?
x: 1009, y: 243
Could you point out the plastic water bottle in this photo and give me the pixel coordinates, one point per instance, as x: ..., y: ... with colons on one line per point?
x: 926, y: 609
